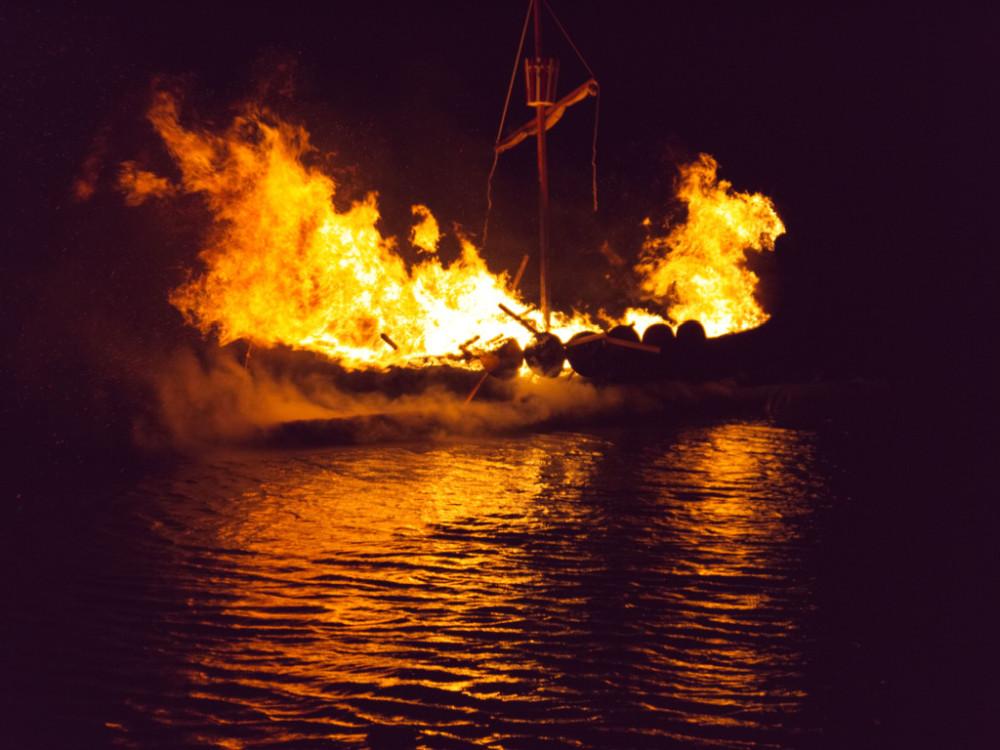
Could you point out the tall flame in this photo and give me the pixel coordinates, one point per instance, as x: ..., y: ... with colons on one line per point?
x: 698, y: 270
x: 284, y: 266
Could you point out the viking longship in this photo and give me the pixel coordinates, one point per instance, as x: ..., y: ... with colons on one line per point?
x: 619, y: 354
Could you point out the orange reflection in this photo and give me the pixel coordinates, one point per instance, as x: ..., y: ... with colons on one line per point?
x: 448, y: 585
x: 737, y: 591
x: 373, y: 567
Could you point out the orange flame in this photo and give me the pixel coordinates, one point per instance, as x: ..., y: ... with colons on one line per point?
x: 284, y: 266
x: 138, y: 184
x: 425, y: 235
x: 698, y: 270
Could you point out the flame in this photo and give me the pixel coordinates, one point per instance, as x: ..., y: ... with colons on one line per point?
x: 698, y: 270
x: 139, y: 184
x: 425, y: 235
x: 282, y: 265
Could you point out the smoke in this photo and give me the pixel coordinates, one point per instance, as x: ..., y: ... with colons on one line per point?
x: 211, y: 399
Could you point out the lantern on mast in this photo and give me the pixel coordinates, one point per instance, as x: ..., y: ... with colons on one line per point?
x: 541, y: 74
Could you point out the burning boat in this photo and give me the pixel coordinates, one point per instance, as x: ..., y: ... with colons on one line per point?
x: 703, y: 267
x: 286, y: 265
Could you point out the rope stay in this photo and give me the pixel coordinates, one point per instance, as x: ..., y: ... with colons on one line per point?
x: 503, y: 120
x: 597, y: 103
x: 573, y: 46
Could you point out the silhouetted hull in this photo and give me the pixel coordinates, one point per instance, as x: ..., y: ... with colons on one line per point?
x: 761, y: 356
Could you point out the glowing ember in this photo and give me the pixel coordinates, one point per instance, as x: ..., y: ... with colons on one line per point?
x: 698, y: 270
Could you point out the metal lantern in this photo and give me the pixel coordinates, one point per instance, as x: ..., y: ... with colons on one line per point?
x: 541, y: 74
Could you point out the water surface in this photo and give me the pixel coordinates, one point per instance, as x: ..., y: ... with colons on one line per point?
x: 639, y: 587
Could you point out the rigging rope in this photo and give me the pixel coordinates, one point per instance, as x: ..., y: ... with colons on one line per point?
x: 593, y: 153
x: 552, y: 13
x: 503, y: 120
x: 597, y: 105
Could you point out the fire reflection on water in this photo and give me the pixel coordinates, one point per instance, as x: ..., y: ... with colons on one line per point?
x: 571, y: 586
x: 739, y: 520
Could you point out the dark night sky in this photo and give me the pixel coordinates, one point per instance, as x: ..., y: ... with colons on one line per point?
x: 872, y: 128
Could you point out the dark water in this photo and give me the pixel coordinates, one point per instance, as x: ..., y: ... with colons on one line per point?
x: 723, y: 585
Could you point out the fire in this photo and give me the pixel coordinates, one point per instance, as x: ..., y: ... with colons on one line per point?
x: 698, y: 270
x: 138, y: 184
x: 282, y: 265
x: 425, y: 235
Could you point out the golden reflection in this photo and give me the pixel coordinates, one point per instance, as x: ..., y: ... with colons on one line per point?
x: 736, y: 594
x: 378, y: 584
x: 357, y: 566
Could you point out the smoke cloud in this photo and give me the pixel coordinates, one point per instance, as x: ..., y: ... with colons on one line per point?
x: 212, y: 399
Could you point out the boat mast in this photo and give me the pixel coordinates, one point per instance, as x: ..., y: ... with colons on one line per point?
x: 545, y: 73
x: 541, y: 74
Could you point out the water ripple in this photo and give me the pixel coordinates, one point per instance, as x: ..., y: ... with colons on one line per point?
x: 602, y: 590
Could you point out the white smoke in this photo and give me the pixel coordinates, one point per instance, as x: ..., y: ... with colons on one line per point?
x: 213, y: 399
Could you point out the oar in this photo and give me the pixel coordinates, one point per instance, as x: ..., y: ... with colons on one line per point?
x: 472, y: 393
x: 526, y: 324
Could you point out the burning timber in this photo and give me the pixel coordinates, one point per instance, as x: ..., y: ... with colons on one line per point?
x: 751, y: 375
x: 287, y: 268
